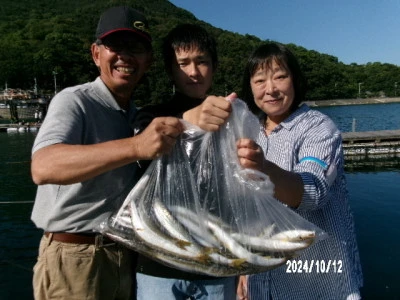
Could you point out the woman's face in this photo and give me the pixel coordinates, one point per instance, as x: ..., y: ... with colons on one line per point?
x: 192, y: 72
x: 273, y: 91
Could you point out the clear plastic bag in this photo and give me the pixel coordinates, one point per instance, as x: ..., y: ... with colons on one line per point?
x: 198, y: 210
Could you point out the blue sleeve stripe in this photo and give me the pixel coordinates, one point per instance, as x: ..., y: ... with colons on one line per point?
x: 314, y: 159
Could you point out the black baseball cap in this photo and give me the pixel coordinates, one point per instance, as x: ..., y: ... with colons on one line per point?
x: 123, y: 18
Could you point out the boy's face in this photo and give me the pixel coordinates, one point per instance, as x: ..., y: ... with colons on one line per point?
x: 192, y: 72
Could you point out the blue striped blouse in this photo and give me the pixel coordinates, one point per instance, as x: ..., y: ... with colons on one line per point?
x: 310, y: 144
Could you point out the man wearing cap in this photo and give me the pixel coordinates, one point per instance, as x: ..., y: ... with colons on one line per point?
x: 83, y: 161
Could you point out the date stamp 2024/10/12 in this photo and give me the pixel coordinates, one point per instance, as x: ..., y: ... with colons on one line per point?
x: 318, y: 266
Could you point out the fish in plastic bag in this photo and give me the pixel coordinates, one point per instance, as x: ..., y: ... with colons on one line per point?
x: 198, y: 210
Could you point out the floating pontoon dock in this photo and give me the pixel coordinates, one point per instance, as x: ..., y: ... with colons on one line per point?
x: 372, y: 148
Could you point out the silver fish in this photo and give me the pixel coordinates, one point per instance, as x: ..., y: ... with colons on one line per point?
x: 294, y: 235
x: 194, y: 266
x: 171, y: 225
x: 239, y: 251
x: 269, y: 244
x: 145, y: 230
x: 196, y: 226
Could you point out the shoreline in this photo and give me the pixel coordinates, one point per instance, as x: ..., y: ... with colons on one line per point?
x: 359, y: 101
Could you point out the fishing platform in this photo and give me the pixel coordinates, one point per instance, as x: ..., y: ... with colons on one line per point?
x: 13, y: 128
x: 372, y: 148
x: 362, y: 149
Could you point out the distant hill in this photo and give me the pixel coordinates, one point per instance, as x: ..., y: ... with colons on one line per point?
x: 42, y: 39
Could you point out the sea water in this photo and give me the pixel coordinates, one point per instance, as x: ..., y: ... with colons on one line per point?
x: 374, y: 199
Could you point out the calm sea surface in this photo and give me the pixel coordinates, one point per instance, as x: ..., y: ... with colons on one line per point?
x: 374, y: 197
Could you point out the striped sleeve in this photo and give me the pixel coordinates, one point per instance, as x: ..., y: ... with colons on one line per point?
x: 317, y: 161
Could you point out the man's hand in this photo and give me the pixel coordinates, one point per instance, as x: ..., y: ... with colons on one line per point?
x: 158, y: 138
x: 68, y: 164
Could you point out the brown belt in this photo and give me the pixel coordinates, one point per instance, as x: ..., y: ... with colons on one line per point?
x: 79, y: 238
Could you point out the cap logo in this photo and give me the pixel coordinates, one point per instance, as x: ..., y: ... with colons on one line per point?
x: 141, y: 26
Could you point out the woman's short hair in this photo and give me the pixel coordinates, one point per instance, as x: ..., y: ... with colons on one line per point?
x: 263, y: 56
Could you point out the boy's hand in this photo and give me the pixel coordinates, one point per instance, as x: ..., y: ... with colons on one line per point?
x: 212, y: 113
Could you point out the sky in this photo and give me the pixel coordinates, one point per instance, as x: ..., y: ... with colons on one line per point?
x: 354, y: 31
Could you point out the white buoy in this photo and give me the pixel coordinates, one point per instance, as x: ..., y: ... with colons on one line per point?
x: 12, y: 129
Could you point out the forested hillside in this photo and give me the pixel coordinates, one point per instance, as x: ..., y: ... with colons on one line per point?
x: 41, y: 39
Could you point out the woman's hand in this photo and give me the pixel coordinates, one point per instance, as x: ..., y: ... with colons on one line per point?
x: 289, y: 187
x: 250, y: 154
x: 241, y: 289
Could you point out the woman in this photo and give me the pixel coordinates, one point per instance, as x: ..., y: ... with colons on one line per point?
x: 301, y: 151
